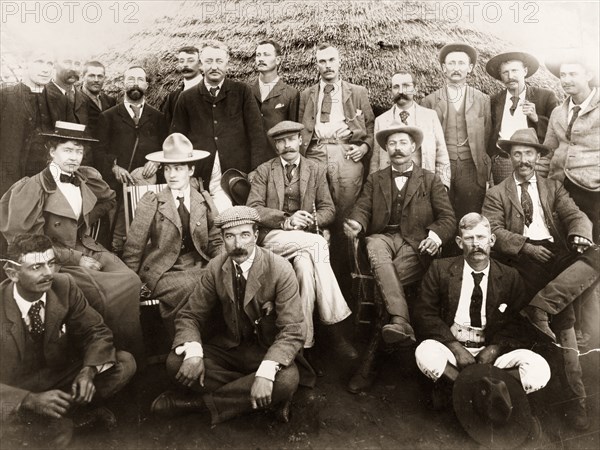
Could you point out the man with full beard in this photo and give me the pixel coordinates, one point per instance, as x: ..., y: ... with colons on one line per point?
x: 433, y: 154
x: 127, y: 133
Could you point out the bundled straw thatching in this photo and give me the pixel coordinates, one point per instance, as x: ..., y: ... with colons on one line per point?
x: 375, y: 38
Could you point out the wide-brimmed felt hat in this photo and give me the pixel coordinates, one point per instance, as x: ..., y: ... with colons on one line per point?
x: 525, y: 136
x: 70, y: 131
x: 177, y: 149
x: 415, y: 132
x: 236, y: 185
x: 458, y: 47
x: 493, y: 65
x: 285, y: 128
x: 237, y: 215
x: 574, y: 56
x: 492, y: 406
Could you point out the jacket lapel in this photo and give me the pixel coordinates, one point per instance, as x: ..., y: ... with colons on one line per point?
x: 493, y: 290
x: 198, y: 220
x: 222, y: 94
x: 227, y: 278
x: 13, y: 315
x: 314, y: 95
x: 277, y: 180
x: 255, y: 280
x: 385, y: 183
x: 499, y: 111
x: 511, y: 188
x: 55, y: 311
x: 413, y: 184
x: 145, y: 117
x: 256, y: 90
x: 304, y: 176
x: 276, y: 91
x: 88, y: 201
x: 166, y: 206
x: 593, y: 104
x: 124, y: 115
x: 349, y: 110
x: 470, y: 97
x: 454, y: 286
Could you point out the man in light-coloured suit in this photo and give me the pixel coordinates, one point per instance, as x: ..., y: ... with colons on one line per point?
x: 433, y: 154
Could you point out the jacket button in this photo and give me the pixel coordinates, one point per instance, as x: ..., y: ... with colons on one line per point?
x: 215, y: 121
x: 57, y: 224
x: 162, y: 219
x: 197, y: 224
x: 518, y: 215
x: 216, y: 138
x: 214, y: 106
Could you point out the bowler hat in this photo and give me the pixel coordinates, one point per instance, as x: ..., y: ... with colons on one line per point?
x: 237, y: 215
x: 492, y: 406
x: 285, y: 128
x: 525, y: 136
x: 236, y: 185
x: 177, y: 149
x: 70, y: 131
x: 493, y: 65
x: 458, y: 47
x: 415, y: 132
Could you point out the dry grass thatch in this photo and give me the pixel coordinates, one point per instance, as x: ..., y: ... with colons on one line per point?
x: 374, y: 37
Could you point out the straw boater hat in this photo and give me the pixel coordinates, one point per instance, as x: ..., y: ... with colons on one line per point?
x: 492, y: 406
x: 285, y: 128
x: 526, y: 136
x: 237, y: 215
x: 69, y: 131
x: 236, y: 185
x: 458, y: 47
x: 415, y: 132
x: 493, y: 65
x: 177, y: 149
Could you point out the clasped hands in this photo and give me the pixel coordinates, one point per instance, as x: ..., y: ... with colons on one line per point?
x: 465, y: 358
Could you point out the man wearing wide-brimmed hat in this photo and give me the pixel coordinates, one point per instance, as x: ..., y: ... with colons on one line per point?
x: 519, y: 106
x: 292, y: 198
x: 249, y: 298
x: 179, y: 217
x: 62, y: 202
x: 465, y: 116
x: 406, y: 216
x: 541, y: 232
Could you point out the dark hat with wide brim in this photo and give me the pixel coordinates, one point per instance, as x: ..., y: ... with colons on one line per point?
x: 236, y: 185
x: 574, y: 56
x: 492, y: 406
x: 493, y: 65
x: 415, y: 132
x: 70, y: 131
x: 458, y: 47
x: 525, y: 136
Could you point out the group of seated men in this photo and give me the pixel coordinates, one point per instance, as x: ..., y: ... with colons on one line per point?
x: 238, y: 285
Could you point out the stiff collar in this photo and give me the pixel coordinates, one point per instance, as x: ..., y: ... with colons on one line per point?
x: 23, y: 304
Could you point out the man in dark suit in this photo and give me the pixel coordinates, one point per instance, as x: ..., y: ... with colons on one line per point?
x: 540, y: 231
x: 248, y: 362
x: 405, y: 213
x: 128, y: 132
x: 518, y: 106
x: 277, y: 101
x: 468, y: 313
x: 95, y: 100
x: 221, y: 116
x: 58, y: 356
x: 188, y: 65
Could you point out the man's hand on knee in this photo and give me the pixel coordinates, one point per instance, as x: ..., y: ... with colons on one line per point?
x: 488, y: 355
x: 463, y: 357
x: 191, y: 371
x: 53, y: 403
x: 260, y: 394
x: 352, y: 228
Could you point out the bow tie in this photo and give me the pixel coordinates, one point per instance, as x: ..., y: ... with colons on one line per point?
x: 69, y: 179
x: 406, y: 174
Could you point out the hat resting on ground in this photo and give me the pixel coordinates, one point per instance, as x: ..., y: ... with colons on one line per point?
x: 525, y: 136
x: 415, y: 132
x: 285, y: 128
x: 493, y: 65
x: 236, y: 185
x: 237, y: 215
x: 458, y: 47
x: 177, y: 149
x: 70, y: 131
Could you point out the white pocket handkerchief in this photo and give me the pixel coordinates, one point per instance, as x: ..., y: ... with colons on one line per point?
x: 502, y: 307
x: 279, y: 105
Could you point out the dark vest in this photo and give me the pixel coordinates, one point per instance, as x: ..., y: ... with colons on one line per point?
x: 455, y: 133
x: 245, y: 327
x: 187, y: 244
x: 292, y: 196
x: 398, y: 203
x: 33, y: 354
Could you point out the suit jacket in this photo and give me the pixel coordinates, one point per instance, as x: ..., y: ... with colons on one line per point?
x: 268, y: 190
x: 281, y: 104
x: 503, y: 209
x: 545, y: 101
x: 579, y: 158
x: 18, y: 128
x: 118, y: 135
x: 479, y: 124
x: 89, y: 113
x: 426, y: 207
x: 357, y: 112
x: 84, y: 338
x: 156, y: 231
x: 168, y: 106
x: 435, y: 309
x: 230, y: 123
x: 434, y: 155
x: 271, y: 280
x: 36, y: 205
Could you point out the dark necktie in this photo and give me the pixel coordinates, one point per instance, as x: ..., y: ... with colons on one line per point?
x: 406, y: 174
x: 184, y: 214
x: 404, y: 116
x: 326, y: 105
x: 214, y: 91
x: 136, y: 113
x: 526, y: 203
x: 69, y: 179
x: 476, y: 301
x: 240, y: 285
x: 289, y: 171
x: 576, y: 110
x: 71, y: 96
x: 515, y: 102
x: 36, y: 323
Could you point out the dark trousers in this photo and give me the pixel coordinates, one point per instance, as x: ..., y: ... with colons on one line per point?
x: 589, y: 203
x: 229, y: 375
x: 466, y: 195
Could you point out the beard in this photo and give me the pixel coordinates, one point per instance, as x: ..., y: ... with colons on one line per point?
x: 135, y: 93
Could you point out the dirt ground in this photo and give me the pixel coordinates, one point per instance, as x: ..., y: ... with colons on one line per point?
x: 393, y: 414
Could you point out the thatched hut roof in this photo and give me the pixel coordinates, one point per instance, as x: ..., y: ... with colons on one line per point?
x: 374, y: 37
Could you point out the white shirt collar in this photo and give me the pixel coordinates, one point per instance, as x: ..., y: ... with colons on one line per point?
x: 532, y: 180
x: 584, y: 104
x: 336, y: 86
x: 521, y: 95
x: 185, y: 192
x: 467, y: 269
x: 219, y: 86
x: 23, y: 304
x: 128, y: 104
x: 246, y: 265
x: 411, y: 167
x: 285, y: 163
x: 193, y: 82
x: 61, y: 89
x: 269, y: 84
x: 56, y: 171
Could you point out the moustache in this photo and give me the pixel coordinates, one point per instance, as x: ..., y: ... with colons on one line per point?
x: 186, y: 70
x: 477, y: 250
x: 72, y: 73
x: 238, y: 252
x: 46, y: 280
x: 525, y: 164
x: 401, y: 96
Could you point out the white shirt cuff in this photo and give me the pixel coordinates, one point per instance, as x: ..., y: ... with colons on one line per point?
x: 268, y: 370
x: 191, y: 350
x: 435, y: 238
x: 104, y: 367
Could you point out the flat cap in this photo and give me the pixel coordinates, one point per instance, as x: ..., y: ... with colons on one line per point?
x: 285, y: 128
x: 237, y: 215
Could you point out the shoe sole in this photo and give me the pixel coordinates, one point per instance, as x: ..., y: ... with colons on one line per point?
x: 396, y: 337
